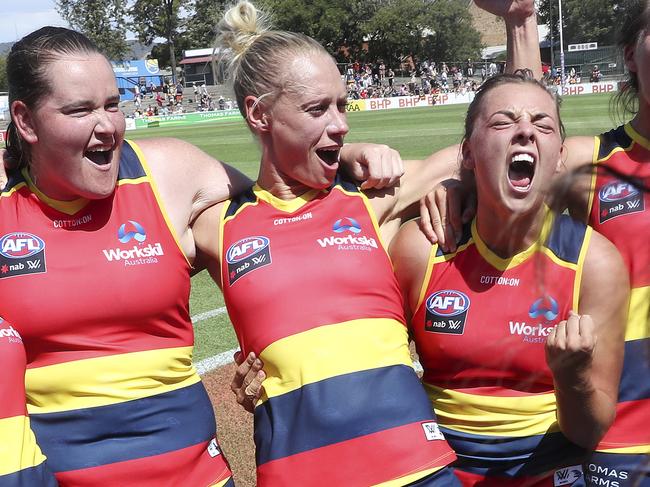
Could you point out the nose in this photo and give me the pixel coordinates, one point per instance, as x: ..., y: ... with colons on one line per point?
x: 525, y: 131
x: 105, y: 125
x: 338, y: 123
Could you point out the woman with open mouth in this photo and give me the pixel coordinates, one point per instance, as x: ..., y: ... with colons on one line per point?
x: 520, y: 329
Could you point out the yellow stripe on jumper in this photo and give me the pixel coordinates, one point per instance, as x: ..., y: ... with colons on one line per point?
x: 637, y: 323
x: 221, y: 483
x: 512, y: 416
x: 333, y: 350
x: 18, y: 448
x: 407, y: 479
x: 629, y: 450
x: 107, y: 380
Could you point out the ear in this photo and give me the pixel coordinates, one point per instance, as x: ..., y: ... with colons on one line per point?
x: 24, y: 121
x: 628, y: 55
x: 257, y: 114
x: 561, y: 159
x: 468, y: 159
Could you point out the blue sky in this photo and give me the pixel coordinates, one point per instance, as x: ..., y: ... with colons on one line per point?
x: 20, y: 17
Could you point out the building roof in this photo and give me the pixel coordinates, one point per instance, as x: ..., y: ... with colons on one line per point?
x: 196, y: 60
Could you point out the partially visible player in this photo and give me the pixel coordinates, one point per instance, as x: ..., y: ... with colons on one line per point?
x: 602, y: 172
x: 21, y: 462
x: 519, y: 330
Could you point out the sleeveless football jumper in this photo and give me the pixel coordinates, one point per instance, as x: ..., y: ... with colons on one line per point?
x: 480, y: 329
x: 310, y: 289
x: 100, y: 289
x: 621, y: 212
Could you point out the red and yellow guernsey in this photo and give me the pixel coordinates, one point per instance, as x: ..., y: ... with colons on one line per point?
x: 21, y: 462
x: 621, y: 212
x: 480, y: 328
x: 101, y: 289
x: 310, y: 289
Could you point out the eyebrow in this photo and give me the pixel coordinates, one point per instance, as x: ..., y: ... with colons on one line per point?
x: 85, y: 103
x: 511, y: 114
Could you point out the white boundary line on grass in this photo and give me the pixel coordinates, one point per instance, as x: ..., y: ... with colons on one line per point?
x: 225, y: 358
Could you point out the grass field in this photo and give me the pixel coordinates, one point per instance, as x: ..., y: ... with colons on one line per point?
x: 415, y: 132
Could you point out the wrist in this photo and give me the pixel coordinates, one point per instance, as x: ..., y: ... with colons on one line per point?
x: 521, y: 22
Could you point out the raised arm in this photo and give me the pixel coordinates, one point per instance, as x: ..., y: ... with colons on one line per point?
x: 585, y: 352
x: 521, y: 33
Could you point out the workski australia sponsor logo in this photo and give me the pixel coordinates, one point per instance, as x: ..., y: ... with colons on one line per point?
x: 446, y: 312
x: 348, y: 236
x: 246, y: 255
x: 21, y: 253
x: 9, y: 333
x: 137, y: 252
x: 545, y: 307
x: 619, y: 198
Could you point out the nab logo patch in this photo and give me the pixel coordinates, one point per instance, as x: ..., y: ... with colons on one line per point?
x: 567, y: 475
x: 136, y: 232
x: 546, y: 307
x: 21, y: 253
x: 446, y: 312
x: 246, y: 255
x: 619, y: 198
x: 346, y: 224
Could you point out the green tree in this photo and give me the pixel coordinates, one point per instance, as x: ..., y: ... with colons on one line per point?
x: 152, y: 19
x: 103, y: 21
x: 4, y: 83
x: 583, y: 20
x: 200, y: 25
x: 454, y: 37
x: 337, y: 24
x: 397, y: 30
x: 439, y: 30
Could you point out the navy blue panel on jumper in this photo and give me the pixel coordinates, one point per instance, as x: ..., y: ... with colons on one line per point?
x: 338, y: 409
x: 154, y: 425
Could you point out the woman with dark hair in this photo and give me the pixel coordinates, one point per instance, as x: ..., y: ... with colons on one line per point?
x: 519, y: 330
x: 96, y: 252
x: 607, y: 180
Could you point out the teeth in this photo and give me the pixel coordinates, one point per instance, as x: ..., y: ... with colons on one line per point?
x: 523, y: 157
x: 99, y: 149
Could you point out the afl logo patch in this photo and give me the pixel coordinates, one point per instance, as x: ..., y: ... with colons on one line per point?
x: 19, y: 245
x: 616, y: 191
x: 21, y: 253
x: 619, y: 198
x: 246, y: 255
x: 446, y: 312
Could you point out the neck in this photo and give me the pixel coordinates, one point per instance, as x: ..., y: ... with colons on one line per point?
x: 641, y: 121
x: 276, y: 183
x: 508, y: 234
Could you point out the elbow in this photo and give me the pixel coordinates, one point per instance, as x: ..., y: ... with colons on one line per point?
x: 587, y: 434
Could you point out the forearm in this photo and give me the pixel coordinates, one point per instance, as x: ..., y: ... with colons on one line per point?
x: 523, y: 46
x: 584, y: 412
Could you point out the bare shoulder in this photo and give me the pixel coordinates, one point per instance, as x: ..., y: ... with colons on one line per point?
x: 578, y: 151
x: 605, y: 276
x: 186, y: 175
x: 409, y: 252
